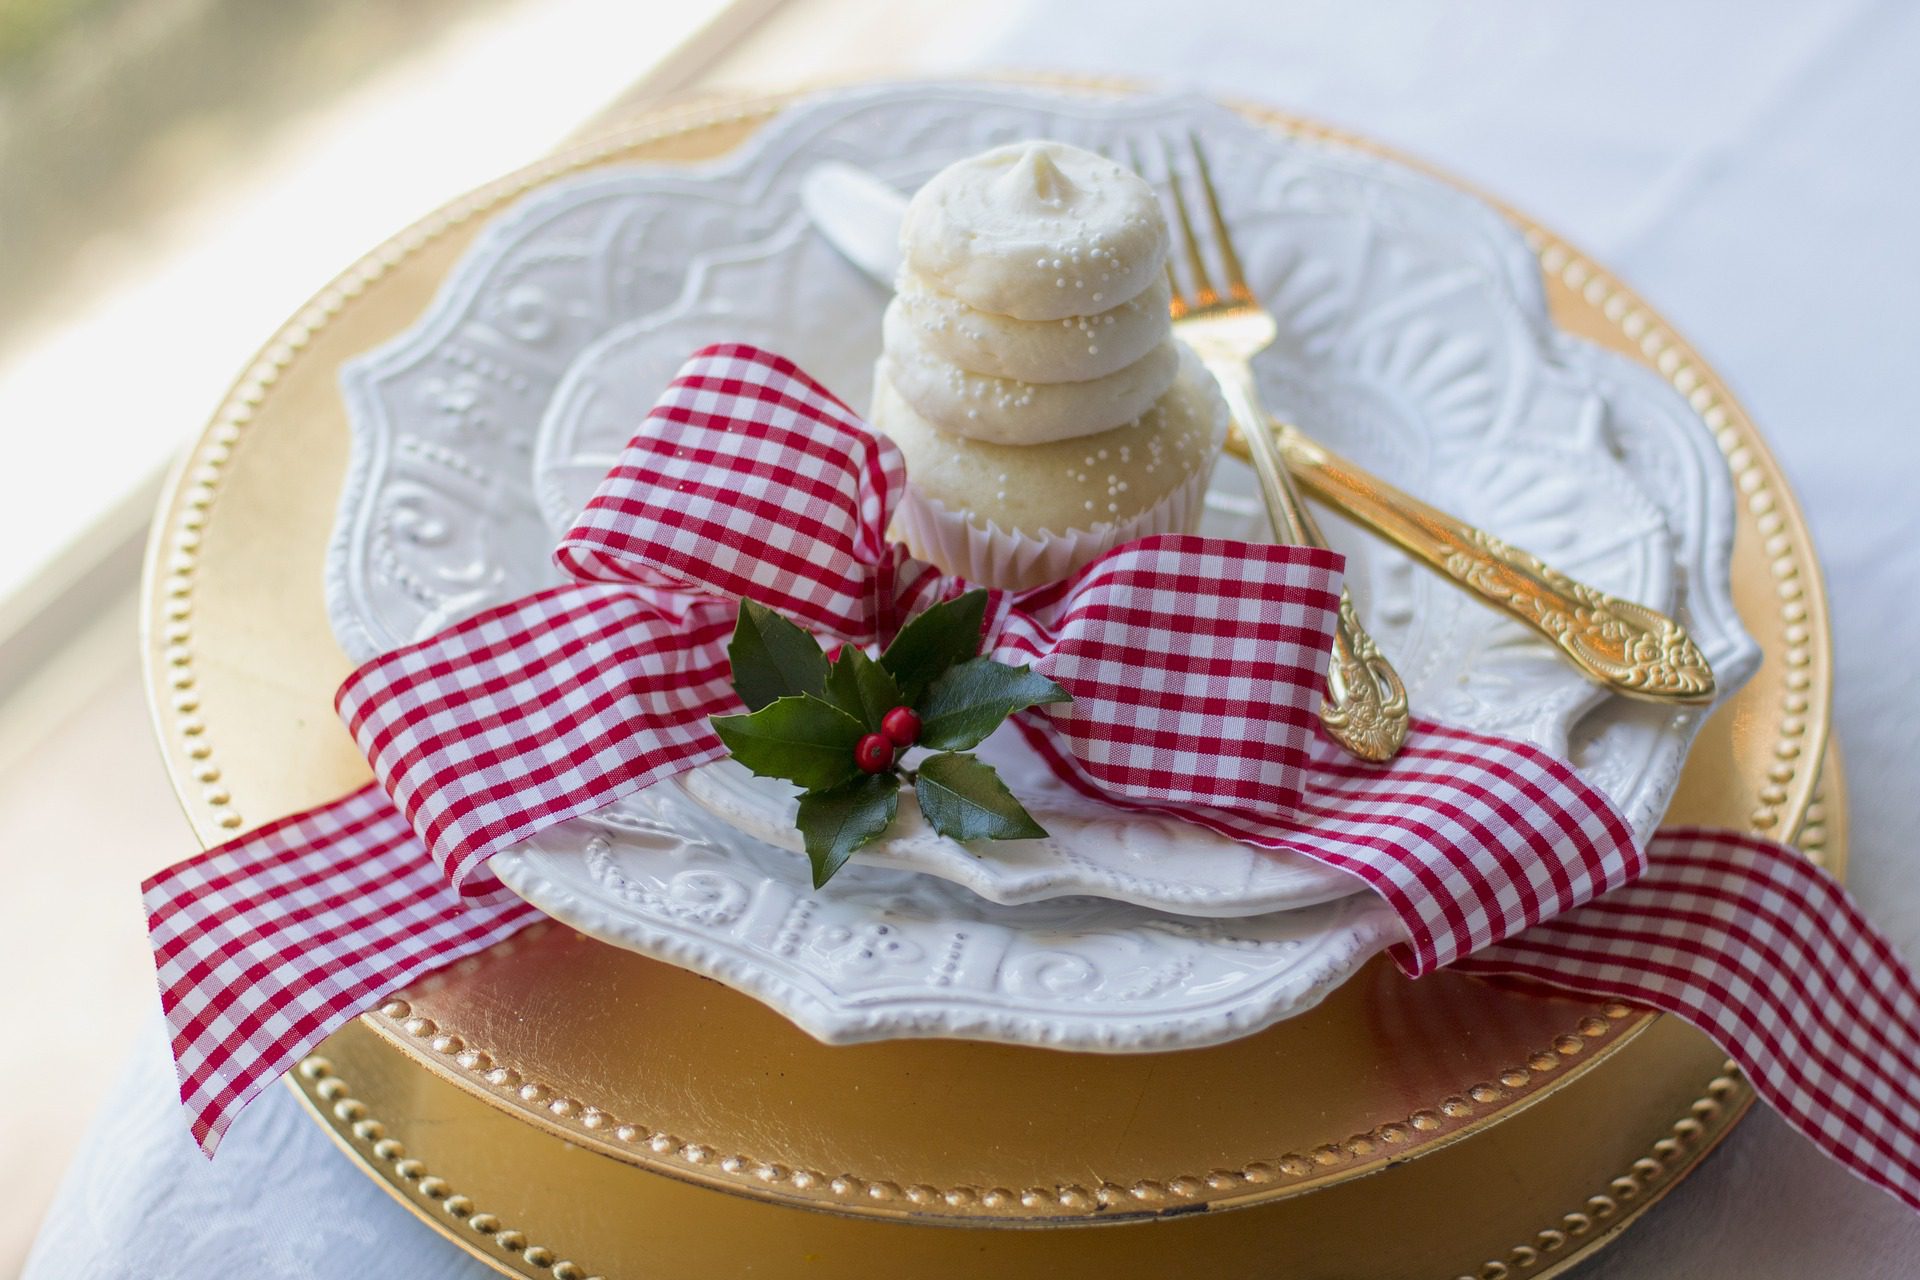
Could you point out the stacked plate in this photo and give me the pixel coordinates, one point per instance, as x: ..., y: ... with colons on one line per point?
x: 1414, y: 338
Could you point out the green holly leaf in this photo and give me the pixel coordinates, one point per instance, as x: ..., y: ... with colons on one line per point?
x: 772, y: 658
x: 965, y: 800
x: 839, y: 820
x: 934, y: 640
x: 970, y: 700
x: 862, y: 687
x: 804, y: 739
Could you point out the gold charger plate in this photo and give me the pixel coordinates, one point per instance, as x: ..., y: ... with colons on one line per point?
x: 1530, y: 1197
x: 671, y: 1074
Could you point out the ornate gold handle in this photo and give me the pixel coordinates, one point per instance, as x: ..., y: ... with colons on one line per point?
x: 1635, y: 650
x: 1365, y: 707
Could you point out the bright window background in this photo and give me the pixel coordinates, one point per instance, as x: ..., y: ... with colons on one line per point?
x: 194, y: 168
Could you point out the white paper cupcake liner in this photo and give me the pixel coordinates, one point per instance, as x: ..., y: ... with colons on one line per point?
x: 1013, y: 560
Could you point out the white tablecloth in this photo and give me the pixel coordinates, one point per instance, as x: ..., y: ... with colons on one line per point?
x: 1753, y: 168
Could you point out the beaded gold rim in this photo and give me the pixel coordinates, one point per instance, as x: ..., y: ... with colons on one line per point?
x: 1708, y: 1119
x: 1293, y: 1172
x: 431, y: 1196
x: 1709, y: 399
x: 171, y: 577
x: 1796, y: 573
x: 1571, y: 1238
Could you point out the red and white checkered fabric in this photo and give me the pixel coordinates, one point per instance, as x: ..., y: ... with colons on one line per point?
x: 751, y: 480
x: 1194, y: 666
x: 1470, y: 838
x: 267, y: 943
x: 536, y: 711
x: 1767, y: 954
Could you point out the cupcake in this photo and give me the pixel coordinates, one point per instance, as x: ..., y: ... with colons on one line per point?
x: 1029, y: 372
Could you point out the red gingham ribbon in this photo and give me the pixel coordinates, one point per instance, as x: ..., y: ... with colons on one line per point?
x: 1194, y: 666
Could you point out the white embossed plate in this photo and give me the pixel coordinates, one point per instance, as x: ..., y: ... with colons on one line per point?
x: 1415, y: 339
x: 1091, y: 849
x: 885, y: 954
x: 1425, y: 358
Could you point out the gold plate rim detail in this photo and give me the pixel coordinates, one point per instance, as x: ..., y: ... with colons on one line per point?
x: 1568, y: 1239
x: 1453, y: 1118
x: 366, y: 1140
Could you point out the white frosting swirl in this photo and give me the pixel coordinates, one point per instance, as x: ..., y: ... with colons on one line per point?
x: 1083, y: 482
x: 1075, y: 349
x: 1008, y: 411
x: 1035, y: 231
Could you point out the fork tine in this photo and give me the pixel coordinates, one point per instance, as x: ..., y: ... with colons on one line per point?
x: 1180, y: 304
x: 1236, y: 278
x: 1177, y: 305
x: 1204, y: 294
x: 1135, y: 162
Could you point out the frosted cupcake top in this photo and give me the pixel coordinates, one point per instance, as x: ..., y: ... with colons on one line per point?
x: 1035, y: 231
x: 1071, y: 349
x: 1085, y: 482
x: 1013, y: 411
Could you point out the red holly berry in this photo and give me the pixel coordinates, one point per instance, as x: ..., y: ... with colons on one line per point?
x: 901, y: 726
x: 873, y: 753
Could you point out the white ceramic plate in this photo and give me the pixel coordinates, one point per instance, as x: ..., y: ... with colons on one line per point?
x: 1091, y: 849
x: 1415, y: 339
x: 884, y: 954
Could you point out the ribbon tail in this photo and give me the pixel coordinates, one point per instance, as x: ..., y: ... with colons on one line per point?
x: 1768, y: 956
x: 265, y: 945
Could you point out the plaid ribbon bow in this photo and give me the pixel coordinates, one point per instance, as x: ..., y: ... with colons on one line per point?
x: 1194, y: 665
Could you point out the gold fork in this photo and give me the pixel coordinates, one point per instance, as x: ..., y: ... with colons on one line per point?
x: 1634, y: 650
x: 1365, y: 708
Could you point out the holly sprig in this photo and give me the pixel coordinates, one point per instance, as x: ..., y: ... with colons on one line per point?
x: 840, y: 727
